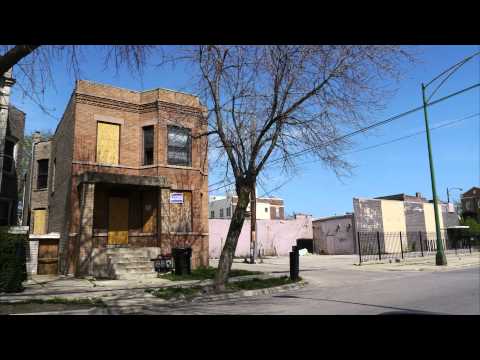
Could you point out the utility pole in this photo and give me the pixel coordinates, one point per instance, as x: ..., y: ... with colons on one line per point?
x: 440, y: 258
x: 253, y: 223
x: 253, y: 202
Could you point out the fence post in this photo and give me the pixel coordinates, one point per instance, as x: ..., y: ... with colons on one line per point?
x: 420, y: 237
x: 470, y: 244
x: 359, y: 250
x: 401, y: 245
x: 378, y: 243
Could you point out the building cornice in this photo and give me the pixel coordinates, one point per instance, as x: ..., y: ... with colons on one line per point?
x: 137, y: 108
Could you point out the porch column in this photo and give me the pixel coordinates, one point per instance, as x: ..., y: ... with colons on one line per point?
x: 85, y: 264
x: 164, y: 219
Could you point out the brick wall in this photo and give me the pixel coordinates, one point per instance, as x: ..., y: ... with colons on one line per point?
x: 39, y: 197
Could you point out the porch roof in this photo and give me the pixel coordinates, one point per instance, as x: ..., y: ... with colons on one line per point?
x: 96, y: 177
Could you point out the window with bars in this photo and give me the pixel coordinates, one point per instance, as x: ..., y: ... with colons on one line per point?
x: 42, y: 174
x: 221, y: 213
x: 212, y: 214
x: 229, y: 212
x: 179, y: 146
x: 148, y: 145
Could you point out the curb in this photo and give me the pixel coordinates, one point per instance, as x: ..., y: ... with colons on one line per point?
x: 234, y: 295
x: 90, y: 311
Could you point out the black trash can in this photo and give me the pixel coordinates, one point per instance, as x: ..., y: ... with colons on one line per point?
x: 182, y: 260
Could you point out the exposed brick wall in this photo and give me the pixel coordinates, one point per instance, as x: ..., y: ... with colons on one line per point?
x: 39, y: 197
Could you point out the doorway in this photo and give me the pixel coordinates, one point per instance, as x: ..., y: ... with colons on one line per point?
x: 118, y: 221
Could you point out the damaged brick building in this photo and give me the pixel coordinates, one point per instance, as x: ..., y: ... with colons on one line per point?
x: 123, y: 179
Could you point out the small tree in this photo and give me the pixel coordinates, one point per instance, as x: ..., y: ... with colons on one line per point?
x: 270, y: 103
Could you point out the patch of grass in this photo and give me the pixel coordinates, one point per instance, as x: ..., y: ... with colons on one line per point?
x: 175, y: 292
x: 204, y: 273
x: 255, y: 283
x: 66, y: 301
x: 168, y: 293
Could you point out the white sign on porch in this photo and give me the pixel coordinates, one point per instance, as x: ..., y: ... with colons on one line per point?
x: 176, y: 198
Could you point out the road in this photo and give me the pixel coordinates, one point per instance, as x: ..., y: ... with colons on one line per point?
x: 336, y: 286
x: 341, y: 290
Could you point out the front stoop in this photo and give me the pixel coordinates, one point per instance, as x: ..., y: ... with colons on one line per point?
x: 131, y: 263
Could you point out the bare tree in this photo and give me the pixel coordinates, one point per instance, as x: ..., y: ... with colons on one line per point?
x: 270, y: 103
x: 33, y: 64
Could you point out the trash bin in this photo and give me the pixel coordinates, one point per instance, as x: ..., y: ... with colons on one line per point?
x: 182, y: 260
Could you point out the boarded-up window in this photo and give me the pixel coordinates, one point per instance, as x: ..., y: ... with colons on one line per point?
x: 181, y: 214
x: 148, y: 145
x: 179, y: 146
x: 39, y: 221
x: 42, y: 174
x: 108, y: 142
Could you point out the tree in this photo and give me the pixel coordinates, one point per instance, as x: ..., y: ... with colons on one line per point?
x: 33, y: 64
x: 269, y: 104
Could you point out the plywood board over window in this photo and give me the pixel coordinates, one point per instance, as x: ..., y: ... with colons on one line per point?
x: 108, y: 142
x: 181, y: 214
x: 39, y: 221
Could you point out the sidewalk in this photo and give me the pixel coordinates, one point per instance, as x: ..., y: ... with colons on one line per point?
x: 424, y: 264
x: 116, y: 294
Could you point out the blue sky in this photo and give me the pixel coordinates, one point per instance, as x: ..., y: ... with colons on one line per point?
x: 399, y: 167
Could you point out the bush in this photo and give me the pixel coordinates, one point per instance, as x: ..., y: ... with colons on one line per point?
x: 13, y: 270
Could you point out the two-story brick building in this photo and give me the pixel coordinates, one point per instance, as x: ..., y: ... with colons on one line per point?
x: 126, y: 179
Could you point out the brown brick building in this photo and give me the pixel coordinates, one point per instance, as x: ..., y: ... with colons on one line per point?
x: 125, y: 170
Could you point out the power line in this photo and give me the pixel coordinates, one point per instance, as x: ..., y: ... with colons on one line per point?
x: 385, y: 143
x: 362, y: 130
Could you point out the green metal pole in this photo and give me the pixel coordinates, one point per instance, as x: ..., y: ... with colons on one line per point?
x: 440, y: 258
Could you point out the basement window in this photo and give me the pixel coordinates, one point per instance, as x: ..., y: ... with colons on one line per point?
x: 148, y: 140
x: 42, y: 175
x: 179, y: 146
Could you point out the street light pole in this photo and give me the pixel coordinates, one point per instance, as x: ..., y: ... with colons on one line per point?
x: 440, y: 258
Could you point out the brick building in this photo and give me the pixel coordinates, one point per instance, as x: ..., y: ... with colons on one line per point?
x: 12, y: 123
x: 471, y: 203
x: 124, y: 177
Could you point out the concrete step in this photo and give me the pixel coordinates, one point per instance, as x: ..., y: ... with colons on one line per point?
x: 127, y: 264
x: 128, y: 258
x: 134, y: 269
x: 130, y: 276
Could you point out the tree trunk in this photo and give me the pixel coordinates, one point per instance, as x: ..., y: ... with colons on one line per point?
x: 228, y: 251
